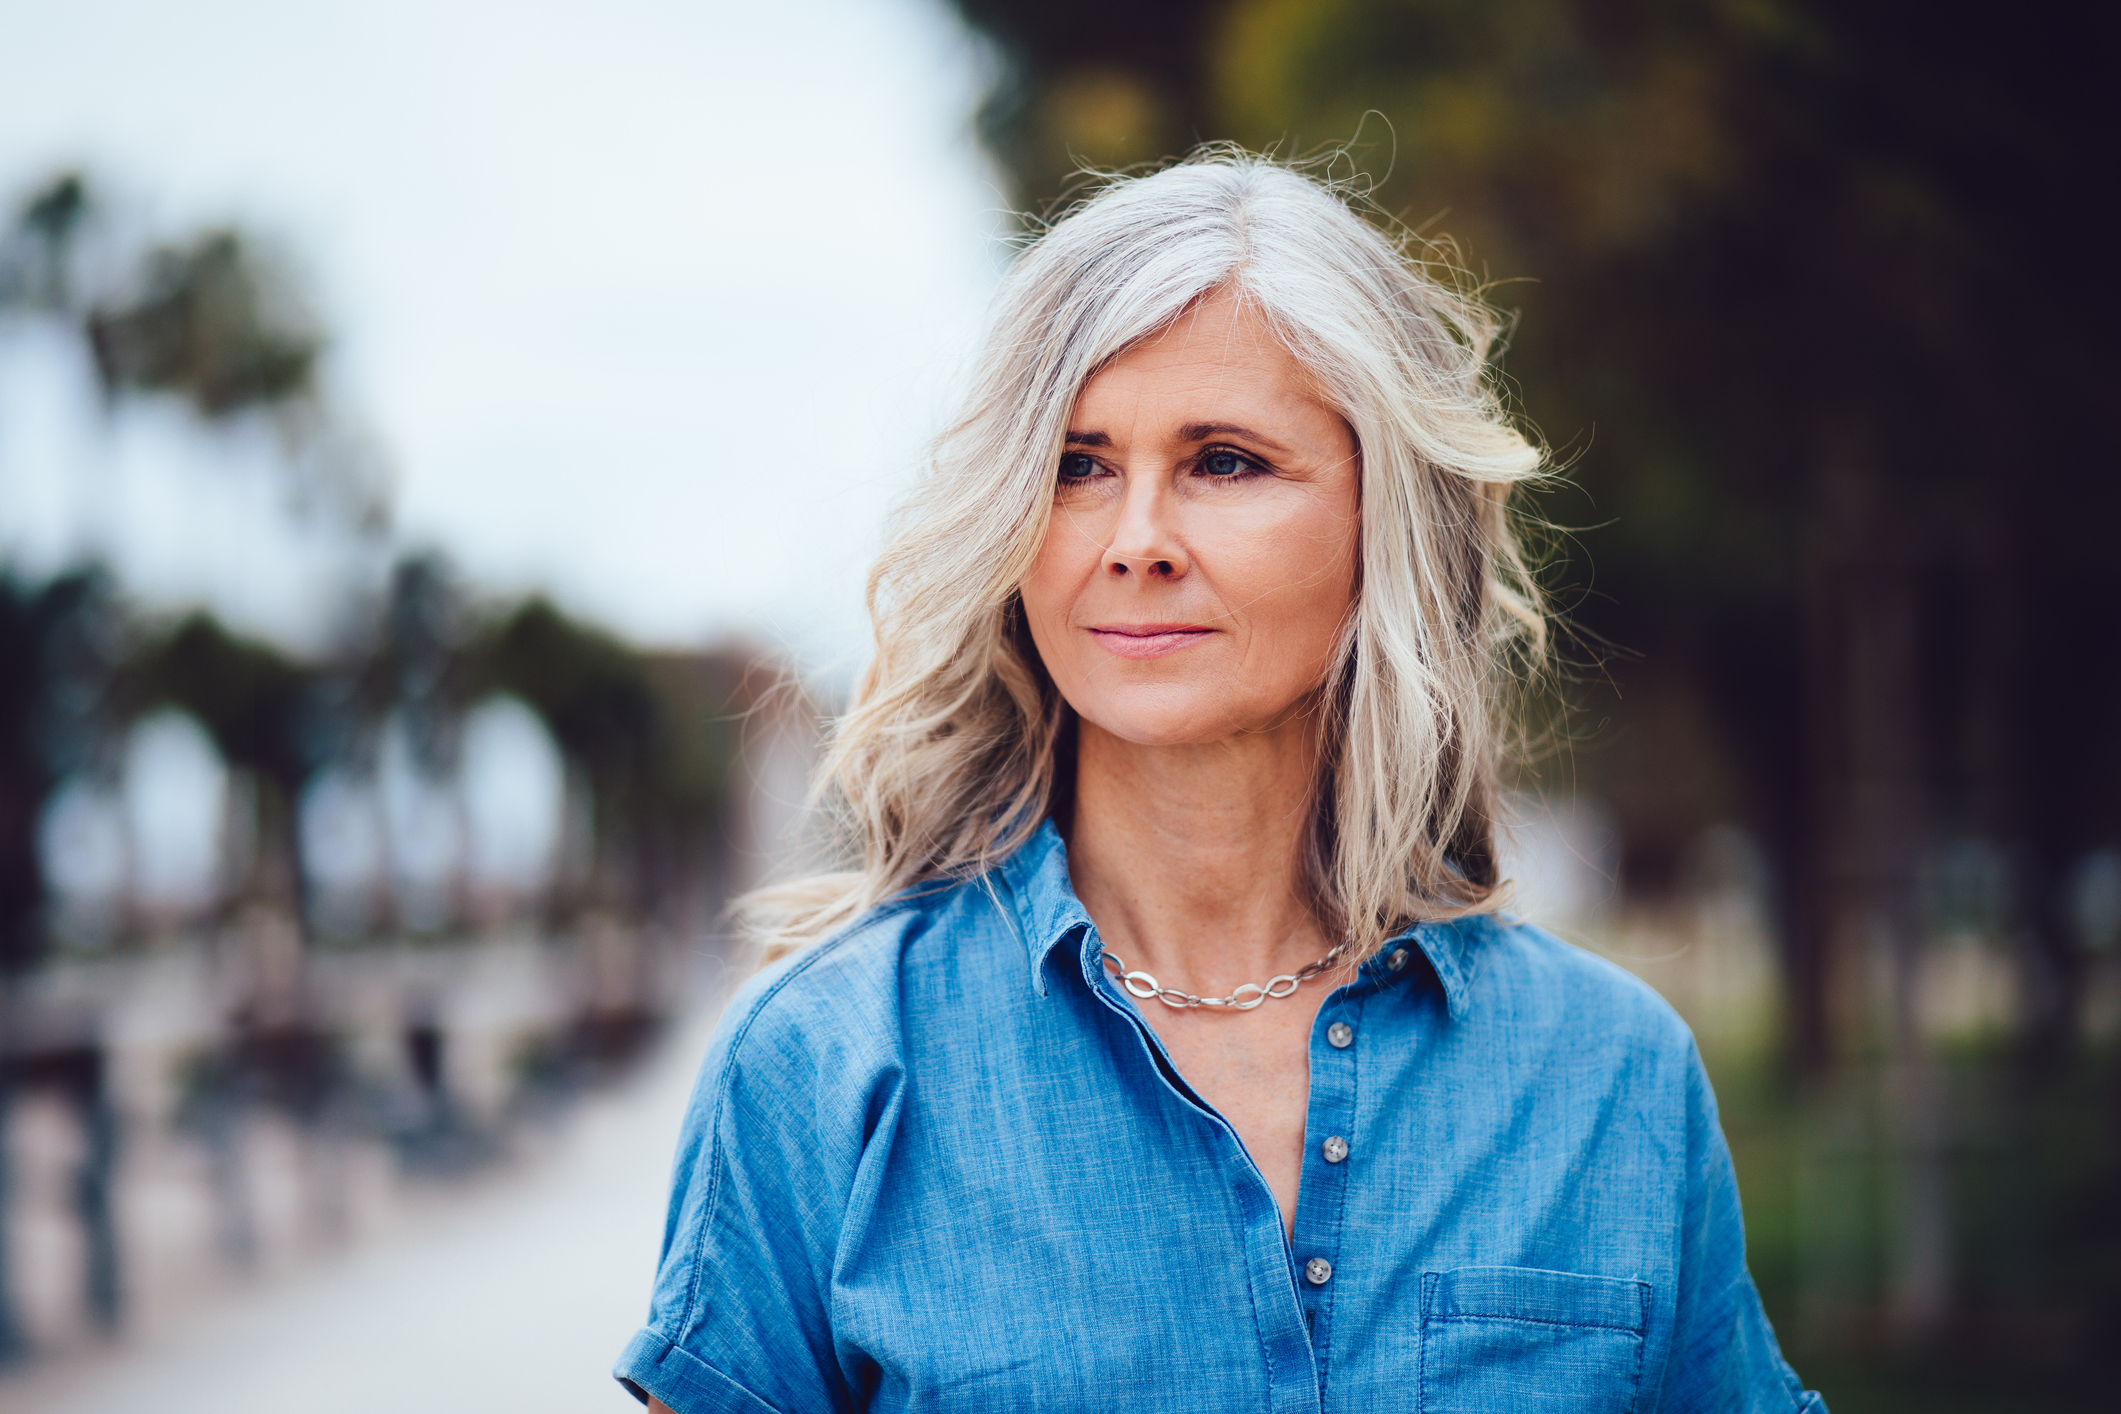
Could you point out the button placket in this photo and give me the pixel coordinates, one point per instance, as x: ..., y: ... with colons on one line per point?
x: 1335, y: 1068
x: 1266, y: 1249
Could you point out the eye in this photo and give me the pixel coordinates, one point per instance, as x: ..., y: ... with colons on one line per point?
x: 1225, y: 464
x: 1075, y: 466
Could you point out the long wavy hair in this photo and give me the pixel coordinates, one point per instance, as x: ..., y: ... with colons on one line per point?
x: 956, y: 744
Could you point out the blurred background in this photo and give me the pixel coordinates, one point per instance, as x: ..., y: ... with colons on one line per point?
x: 439, y: 450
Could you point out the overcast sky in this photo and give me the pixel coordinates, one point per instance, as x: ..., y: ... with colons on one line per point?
x: 651, y: 303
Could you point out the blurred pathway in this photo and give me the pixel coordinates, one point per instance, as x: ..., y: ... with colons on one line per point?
x: 515, y: 1296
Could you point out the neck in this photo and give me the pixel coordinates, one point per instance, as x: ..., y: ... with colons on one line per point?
x: 1190, y: 859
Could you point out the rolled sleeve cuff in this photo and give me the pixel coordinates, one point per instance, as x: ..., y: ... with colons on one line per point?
x: 689, y: 1385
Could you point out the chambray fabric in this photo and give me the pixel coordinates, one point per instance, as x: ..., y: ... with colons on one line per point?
x: 940, y: 1163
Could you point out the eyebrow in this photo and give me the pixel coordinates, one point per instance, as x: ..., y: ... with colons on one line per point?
x: 1205, y: 431
x: 1191, y: 432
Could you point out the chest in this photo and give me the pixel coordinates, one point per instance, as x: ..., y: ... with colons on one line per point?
x: 1254, y: 1069
x: 1059, y: 1224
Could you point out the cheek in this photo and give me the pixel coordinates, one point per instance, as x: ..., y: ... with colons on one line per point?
x: 1049, y: 590
x: 1299, y: 576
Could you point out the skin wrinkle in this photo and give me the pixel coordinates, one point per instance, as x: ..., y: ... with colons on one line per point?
x: 1195, y: 770
x: 1326, y: 567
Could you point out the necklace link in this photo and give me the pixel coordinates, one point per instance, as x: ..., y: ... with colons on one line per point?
x: 1244, y: 998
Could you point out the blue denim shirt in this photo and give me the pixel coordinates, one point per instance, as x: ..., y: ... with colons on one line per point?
x: 939, y: 1162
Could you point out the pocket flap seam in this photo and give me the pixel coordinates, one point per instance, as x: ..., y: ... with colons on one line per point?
x: 1455, y: 1317
x: 1536, y: 1297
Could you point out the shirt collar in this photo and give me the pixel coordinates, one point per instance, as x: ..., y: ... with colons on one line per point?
x: 1047, y: 910
x: 1049, y: 914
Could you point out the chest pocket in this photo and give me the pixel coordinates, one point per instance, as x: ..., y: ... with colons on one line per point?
x: 1515, y: 1340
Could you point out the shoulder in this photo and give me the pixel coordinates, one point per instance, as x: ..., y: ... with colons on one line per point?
x: 836, y: 1007
x: 1529, y: 977
x: 1566, y: 1029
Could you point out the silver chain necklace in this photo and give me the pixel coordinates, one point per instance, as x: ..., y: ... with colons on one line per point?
x: 1142, y: 985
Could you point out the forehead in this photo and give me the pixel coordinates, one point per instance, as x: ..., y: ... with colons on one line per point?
x: 1220, y: 348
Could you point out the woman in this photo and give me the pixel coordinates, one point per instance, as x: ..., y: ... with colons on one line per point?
x: 1168, y: 1052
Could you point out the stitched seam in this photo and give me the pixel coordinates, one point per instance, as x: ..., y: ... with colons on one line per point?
x: 672, y: 1348
x: 1421, y: 1366
x: 1259, y: 1331
x: 721, y: 1098
x: 1421, y: 1357
x: 1635, y: 1331
x: 1635, y: 1378
x: 1642, y: 1345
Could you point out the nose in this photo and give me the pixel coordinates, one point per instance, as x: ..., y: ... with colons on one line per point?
x: 1145, y: 540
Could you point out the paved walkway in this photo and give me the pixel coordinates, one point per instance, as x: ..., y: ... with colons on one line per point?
x: 515, y: 1298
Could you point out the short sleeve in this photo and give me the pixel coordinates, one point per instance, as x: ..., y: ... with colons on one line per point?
x: 769, y: 1151
x: 1723, y: 1357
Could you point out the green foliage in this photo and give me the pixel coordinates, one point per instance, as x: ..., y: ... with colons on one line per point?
x: 246, y: 694
x: 2033, y: 1232
x: 56, y: 211
x: 1102, y: 81
x: 214, y: 324
x: 35, y: 270
x: 637, y: 721
x: 591, y: 689
x: 214, y: 320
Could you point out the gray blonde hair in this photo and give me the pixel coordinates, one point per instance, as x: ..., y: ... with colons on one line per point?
x: 948, y: 758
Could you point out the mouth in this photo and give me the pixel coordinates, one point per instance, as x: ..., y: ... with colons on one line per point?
x: 1148, y: 640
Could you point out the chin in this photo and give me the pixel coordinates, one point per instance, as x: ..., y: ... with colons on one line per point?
x: 1165, y: 719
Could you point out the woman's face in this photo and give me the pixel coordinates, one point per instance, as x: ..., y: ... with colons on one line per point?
x: 1201, y: 556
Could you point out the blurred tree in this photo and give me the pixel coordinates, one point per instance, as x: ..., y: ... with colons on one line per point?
x: 210, y: 324
x: 62, y: 645
x: 215, y: 320
x: 1771, y: 267
x: 253, y: 701
x: 213, y: 324
x: 35, y: 265
x: 594, y: 694
x: 1102, y: 82
x: 25, y: 776
x: 216, y: 323
x: 648, y: 732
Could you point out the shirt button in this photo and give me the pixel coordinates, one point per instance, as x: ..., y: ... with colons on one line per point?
x: 1340, y: 1035
x: 1397, y: 960
x: 1335, y: 1149
x: 1318, y: 1271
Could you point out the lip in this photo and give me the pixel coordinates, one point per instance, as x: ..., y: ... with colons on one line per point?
x: 1147, y: 640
